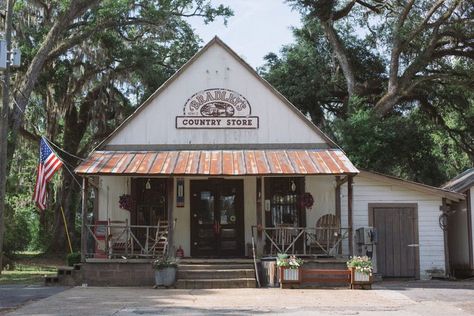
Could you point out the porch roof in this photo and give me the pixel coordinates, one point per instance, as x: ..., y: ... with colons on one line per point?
x: 218, y: 162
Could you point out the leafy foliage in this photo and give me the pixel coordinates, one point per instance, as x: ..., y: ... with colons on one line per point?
x: 360, y: 264
x: 98, y: 61
x: 427, y: 137
x: 290, y: 262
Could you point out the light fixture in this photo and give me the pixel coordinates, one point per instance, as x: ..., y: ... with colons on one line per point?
x: 92, y: 195
x: 293, y: 186
x: 148, y: 185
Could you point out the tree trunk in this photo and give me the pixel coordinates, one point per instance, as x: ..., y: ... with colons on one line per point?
x: 4, y: 112
x: 75, y: 126
x: 386, y: 103
x: 341, y: 55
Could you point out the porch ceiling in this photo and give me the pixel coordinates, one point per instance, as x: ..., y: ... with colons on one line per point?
x: 218, y: 162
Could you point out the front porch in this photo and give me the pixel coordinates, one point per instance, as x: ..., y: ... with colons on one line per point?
x: 217, y: 203
x: 140, y: 243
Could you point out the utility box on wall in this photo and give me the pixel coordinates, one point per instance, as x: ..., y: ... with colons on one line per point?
x: 366, y: 236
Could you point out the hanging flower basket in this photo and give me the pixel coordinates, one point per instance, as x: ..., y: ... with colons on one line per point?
x: 126, y: 202
x: 306, y: 200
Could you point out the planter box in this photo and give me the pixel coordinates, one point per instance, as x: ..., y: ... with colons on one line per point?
x: 289, y: 277
x: 360, y: 280
x: 165, y: 277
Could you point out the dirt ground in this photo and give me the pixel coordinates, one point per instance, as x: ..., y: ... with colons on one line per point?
x: 428, y: 298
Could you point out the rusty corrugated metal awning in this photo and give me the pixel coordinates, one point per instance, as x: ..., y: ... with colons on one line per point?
x: 217, y: 162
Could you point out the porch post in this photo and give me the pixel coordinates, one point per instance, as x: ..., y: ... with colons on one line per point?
x: 259, y: 245
x: 338, y: 197
x: 349, y: 214
x: 338, y: 203
x: 170, y: 205
x: 84, y: 220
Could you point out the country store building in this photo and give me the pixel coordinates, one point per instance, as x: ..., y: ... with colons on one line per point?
x: 224, y: 162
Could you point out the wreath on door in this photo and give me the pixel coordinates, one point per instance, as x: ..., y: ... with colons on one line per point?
x: 306, y: 200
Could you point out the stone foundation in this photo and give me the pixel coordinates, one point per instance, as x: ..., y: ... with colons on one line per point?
x: 116, y: 274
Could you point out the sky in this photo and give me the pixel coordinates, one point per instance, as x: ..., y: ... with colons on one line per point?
x: 257, y: 28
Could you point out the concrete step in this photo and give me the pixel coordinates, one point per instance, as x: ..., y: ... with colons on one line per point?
x: 217, y: 266
x: 215, y: 261
x: 216, y: 283
x: 216, y: 274
x: 65, y: 270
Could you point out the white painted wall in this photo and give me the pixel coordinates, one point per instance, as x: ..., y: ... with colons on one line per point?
x: 110, y: 189
x: 431, y: 241
x: 322, y: 188
x: 472, y: 218
x: 216, y: 68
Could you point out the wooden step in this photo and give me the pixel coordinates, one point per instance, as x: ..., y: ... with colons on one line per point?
x: 216, y: 274
x: 216, y: 283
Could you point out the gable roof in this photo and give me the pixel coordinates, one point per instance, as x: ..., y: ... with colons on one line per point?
x: 217, y: 41
x: 424, y: 188
x: 461, y: 182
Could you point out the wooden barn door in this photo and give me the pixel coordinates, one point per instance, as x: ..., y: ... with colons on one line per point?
x: 397, y: 244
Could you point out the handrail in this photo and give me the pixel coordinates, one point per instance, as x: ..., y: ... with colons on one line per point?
x: 302, y: 240
x: 129, y: 241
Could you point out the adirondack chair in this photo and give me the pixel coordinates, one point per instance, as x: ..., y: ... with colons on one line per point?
x: 327, y: 235
x: 282, y: 238
x: 119, y: 238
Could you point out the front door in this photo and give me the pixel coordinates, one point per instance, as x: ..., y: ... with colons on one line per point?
x: 217, y: 223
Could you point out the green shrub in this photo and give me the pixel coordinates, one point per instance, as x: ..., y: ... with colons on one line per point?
x: 73, y: 258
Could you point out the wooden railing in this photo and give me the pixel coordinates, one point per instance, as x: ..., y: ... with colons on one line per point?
x: 126, y: 241
x: 301, y: 240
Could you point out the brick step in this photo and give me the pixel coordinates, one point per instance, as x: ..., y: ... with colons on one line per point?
x: 66, y: 270
x: 51, y: 280
x: 237, y: 266
x: 216, y: 274
x: 216, y: 283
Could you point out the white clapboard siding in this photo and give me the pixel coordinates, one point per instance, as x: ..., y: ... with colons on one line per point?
x: 110, y: 190
x: 431, y: 240
x: 216, y: 68
x: 472, y: 217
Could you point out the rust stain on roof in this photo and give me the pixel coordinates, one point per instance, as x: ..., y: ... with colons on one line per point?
x: 218, y: 162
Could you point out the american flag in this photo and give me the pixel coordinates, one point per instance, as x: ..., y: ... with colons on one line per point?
x: 49, y: 163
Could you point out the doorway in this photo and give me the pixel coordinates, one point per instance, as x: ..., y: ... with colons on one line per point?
x: 217, y: 218
x: 397, y: 239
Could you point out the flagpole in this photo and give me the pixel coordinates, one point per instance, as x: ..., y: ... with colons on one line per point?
x: 67, y: 230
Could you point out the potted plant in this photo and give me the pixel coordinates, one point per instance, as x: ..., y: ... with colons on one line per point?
x: 165, y: 271
x: 361, y: 270
x: 289, y: 267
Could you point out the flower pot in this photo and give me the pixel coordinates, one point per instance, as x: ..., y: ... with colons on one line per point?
x: 361, y: 277
x: 290, y: 274
x: 289, y: 277
x: 165, y: 276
